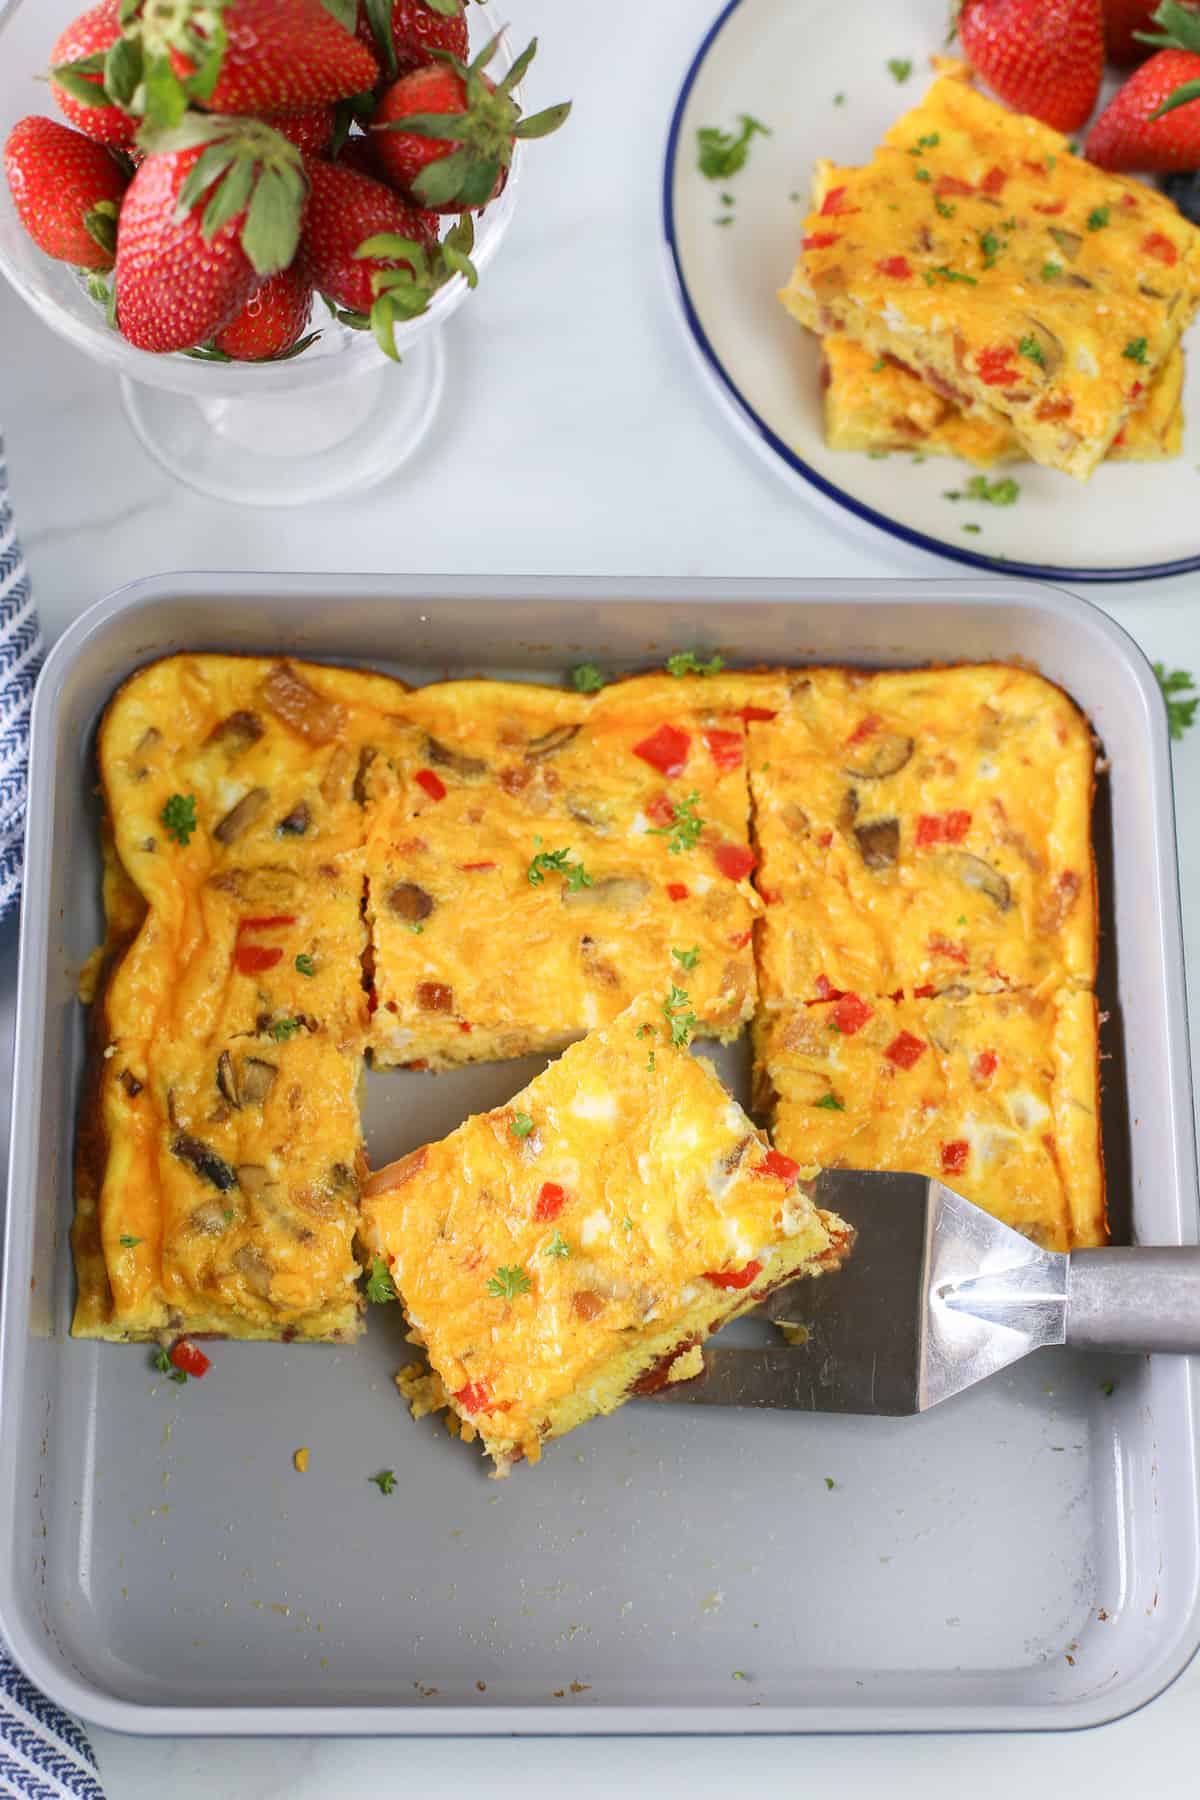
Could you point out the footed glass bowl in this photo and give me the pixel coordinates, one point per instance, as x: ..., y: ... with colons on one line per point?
x: 338, y: 418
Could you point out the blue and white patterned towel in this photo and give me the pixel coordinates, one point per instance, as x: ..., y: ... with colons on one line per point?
x: 44, y: 1755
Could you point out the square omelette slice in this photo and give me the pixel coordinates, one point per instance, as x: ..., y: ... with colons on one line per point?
x: 577, y: 1246
x: 1009, y: 273
x: 550, y: 856
x: 997, y: 1095
x: 922, y: 830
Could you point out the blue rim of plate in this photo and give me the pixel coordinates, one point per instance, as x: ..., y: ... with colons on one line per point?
x: 1187, y: 565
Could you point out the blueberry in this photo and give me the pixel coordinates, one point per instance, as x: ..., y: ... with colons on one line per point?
x: 1184, y: 190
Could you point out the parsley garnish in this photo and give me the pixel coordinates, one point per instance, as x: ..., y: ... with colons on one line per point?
x: 555, y: 862
x: 385, y: 1481
x: 179, y: 817
x: 129, y: 1243
x: 178, y: 1377
x: 924, y: 175
x: 162, y: 1361
x: 992, y: 493
x: 283, y: 1029
x: 687, y: 959
x: 973, y: 529
x: 839, y: 99
x: 944, y: 210
x: 520, y: 1125
x: 506, y: 1284
x: 587, y: 679
x: 1135, y: 350
x: 1098, y: 218
x: 929, y: 142
x: 305, y: 965
x: 947, y: 274
x: 830, y: 1102
x: 679, y: 1016
x: 685, y: 832
x: 991, y: 246
x: 380, y: 1286
x: 721, y: 153
x: 1109, y: 1388
x: 651, y: 1063
x: 627, y: 1223
x: 644, y: 1031
x: 830, y: 1483
x: 876, y: 366
x: 414, y: 926
x: 1051, y: 271
x: 686, y: 662
x: 1030, y: 347
x: 899, y: 68
x: 557, y: 1247
x: 1181, y: 714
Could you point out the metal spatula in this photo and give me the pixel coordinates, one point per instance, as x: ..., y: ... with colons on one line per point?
x: 936, y: 1296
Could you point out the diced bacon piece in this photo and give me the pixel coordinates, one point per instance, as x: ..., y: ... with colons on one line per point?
x: 756, y: 715
x: 993, y: 182
x: 925, y: 992
x: 939, y: 946
x: 275, y: 922
x: 954, y: 1156
x: 826, y: 990
x: 676, y: 891
x: 929, y: 830
x: 256, y: 959
x: 864, y: 729
x: 1159, y: 245
x: 851, y: 1014
x: 984, y: 1065
x: 661, y: 811
x: 951, y: 184
x: 470, y: 868
x: 435, y: 996
x: 1052, y: 409
x: 550, y: 1202
x: 824, y: 839
x: 433, y: 784
x: 475, y: 1397
x: 735, y: 861
x: 740, y: 939
x: 777, y: 1166
x: 1052, y: 208
x: 665, y: 750
x: 1137, y: 390
x: 1129, y: 202
x: 956, y: 825
x: 995, y: 366
x: 819, y: 240
x: 1036, y: 168
x: 725, y: 748
x: 834, y: 202
x: 906, y: 1050
x: 736, y: 1278
x: 896, y: 268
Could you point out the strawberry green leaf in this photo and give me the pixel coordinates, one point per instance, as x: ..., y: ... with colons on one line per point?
x: 164, y: 101
x: 72, y: 78
x: 481, y: 180
x: 228, y: 198
x: 442, y: 180
x: 390, y: 247
x: 123, y: 71
x: 447, y: 126
x: 1180, y: 28
x: 449, y: 9
x: 271, y: 234
x: 520, y: 67
x: 101, y: 226
x: 1181, y: 97
x: 540, y: 125
x: 344, y: 11
x: 379, y: 17
x: 383, y: 324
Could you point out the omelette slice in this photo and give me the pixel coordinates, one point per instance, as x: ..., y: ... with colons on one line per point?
x: 923, y: 830
x: 549, y: 856
x: 1009, y: 273
x: 998, y: 1095
x: 578, y: 1245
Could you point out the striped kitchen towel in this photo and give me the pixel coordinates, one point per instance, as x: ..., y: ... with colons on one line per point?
x: 44, y: 1755
x: 20, y: 661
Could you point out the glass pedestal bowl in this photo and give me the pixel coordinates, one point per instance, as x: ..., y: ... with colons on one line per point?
x: 336, y: 419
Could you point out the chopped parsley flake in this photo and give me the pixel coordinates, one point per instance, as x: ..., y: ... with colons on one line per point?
x: 1109, y: 1388
x: 1135, y: 350
x: 129, y: 1243
x: 162, y: 1361
x: 948, y: 274
x: 725, y: 219
x: 924, y: 175
x: 1051, y: 271
x: 557, y: 1247
x: 283, y: 1029
x: 627, y: 1223
x: 899, y: 68
x: 973, y: 529
x: 991, y: 246
x: 944, y: 209
x: 728, y: 199
x: 651, y: 1063
x: 930, y: 141
x: 520, y: 1124
x: 830, y: 1483
x: 645, y: 1031
x: 993, y: 493
x: 586, y: 678
x: 678, y: 1014
x: 1181, y: 714
x: 385, y: 1481
x: 1030, y: 347
x: 178, y: 1377
x: 1098, y: 218
x: 179, y: 817
x: 415, y: 926
x: 830, y: 1103
x: 687, y: 959
x: 685, y: 832
x: 721, y: 153
x: 739, y: 1675
x: 876, y: 366
x: 380, y: 1286
x: 839, y: 99
x: 507, y: 1283
x: 686, y: 662
x: 305, y: 965
x: 555, y: 862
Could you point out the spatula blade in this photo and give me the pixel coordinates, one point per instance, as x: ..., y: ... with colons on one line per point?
x: 898, y: 1328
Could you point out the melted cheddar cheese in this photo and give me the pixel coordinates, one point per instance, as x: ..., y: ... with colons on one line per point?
x: 553, y: 1254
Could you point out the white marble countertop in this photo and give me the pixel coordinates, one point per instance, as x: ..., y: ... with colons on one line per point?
x: 574, y: 438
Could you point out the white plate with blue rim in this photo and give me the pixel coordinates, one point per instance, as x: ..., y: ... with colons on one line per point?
x: 826, y: 78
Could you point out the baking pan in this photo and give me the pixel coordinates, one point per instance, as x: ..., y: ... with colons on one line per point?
x: 1024, y: 1556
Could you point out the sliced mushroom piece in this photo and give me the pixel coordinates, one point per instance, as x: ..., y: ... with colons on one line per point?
x: 585, y: 812
x: 410, y: 902
x: 237, y: 732
x: 1050, y: 345
x: 884, y: 754
x: 360, y: 790
x: 255, y: 1270
x: 227, y: 1079
x: 848, y: 810
x: 148, y: 740
x: 616, y: 893
x: 1151, y: 293
x: 253, y: 1179
x: 208, y: 1219
x: 973, y: 872
x: 879, y: 843
x: 130, y: 1083
x: 204, y: 1160
x: 295, y: 823
x: 550, y: 742
x: 586, y: 1303
x: 794, y: 819
x: 337, y: 773
x: 1079, y: 281
x: 258, y: 1078
x: 594, y: 965
x: 300, y: 707
x: 1069, y: 242
x: 240, y: 818
x: 443, y: 757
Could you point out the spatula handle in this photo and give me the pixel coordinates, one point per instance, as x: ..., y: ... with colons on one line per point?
x: 1144, y: 1298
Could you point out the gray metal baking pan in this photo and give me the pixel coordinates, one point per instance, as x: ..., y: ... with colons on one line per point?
x: 1024, y: 1556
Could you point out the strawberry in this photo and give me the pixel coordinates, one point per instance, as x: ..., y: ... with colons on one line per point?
x: 416, y: 29
x: 77, y: 75
x: 214, y: 209
x: 376, y: 258
x: 444, y: 134
x: 1124, y: 22
x: 67, y: 191
x: 271, y: 324
x: 1044, y: 57
x: 243, y: 56
x: 1140, y: 128
x: 310, y: 128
